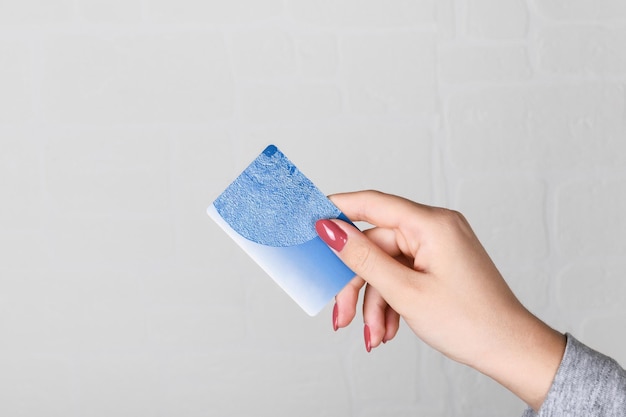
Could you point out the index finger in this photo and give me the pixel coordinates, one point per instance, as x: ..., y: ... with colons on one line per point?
x: 378, y: 208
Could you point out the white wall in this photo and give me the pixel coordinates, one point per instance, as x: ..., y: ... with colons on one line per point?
x: 121, y: 120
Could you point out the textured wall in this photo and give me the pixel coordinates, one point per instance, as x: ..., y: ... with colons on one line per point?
x: 121, y: 120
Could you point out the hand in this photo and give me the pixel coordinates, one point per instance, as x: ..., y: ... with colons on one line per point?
x: 426, y: 265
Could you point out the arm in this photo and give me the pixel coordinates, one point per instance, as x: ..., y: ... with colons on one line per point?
x: 426, y: 265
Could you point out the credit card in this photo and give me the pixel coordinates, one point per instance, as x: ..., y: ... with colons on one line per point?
x: 270, y: 210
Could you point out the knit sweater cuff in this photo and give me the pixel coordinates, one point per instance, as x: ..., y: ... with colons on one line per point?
x: 587, y: 383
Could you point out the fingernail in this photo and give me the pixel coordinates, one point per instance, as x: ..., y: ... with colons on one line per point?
x: 335, y: 318
x: 366, y: 336
x: 332, y: 234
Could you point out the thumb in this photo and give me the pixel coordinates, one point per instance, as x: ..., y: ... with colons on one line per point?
x: 394, y: 281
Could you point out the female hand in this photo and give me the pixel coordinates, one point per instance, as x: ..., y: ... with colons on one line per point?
x: 426, y: 265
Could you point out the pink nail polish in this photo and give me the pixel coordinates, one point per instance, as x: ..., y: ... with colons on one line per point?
x: 332, y: 234
x: 366, y: 336
x: 335, y: 318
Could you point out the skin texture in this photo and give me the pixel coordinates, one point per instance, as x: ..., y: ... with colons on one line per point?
x: 426, y: 265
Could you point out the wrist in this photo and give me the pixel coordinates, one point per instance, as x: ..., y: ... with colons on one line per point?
x: 524, y: 358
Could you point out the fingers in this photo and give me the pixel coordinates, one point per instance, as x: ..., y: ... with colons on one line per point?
x: 394, y: 281
x: 384, y: 239
x: 346, y: 300
x: 379, y: 209
x: 392, y: 324
x: 371, y: 255
x: 382, y: 320
x: 374, y: 307
x: 345, y: 303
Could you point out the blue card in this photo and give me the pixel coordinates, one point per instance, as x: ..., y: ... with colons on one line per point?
x: 270, y: 210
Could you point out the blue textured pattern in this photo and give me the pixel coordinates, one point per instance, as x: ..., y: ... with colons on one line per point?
x: 273, y: 203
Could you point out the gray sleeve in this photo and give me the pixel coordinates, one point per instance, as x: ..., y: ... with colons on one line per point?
x: 587, y: 384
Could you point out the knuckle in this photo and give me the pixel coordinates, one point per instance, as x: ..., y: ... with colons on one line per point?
x: 368, y: 197
x: 456, y: 228
x: 452, y: 219
x: 361, y: 258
